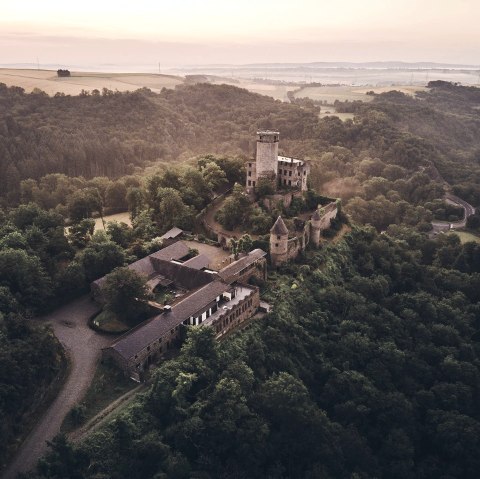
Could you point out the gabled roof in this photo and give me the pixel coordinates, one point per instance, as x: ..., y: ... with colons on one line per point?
x: 173, y: 233
x: 146, y: 333
x: 146, y: 267
x: 198, y: 262
x: 182, y: 274
x: 229, y: 272
x: 279, y: 227
x: 175, y: 251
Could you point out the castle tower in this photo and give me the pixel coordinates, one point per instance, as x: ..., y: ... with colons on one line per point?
x: 279, y: 242
x: 315, y: 227
x: 267, y: 154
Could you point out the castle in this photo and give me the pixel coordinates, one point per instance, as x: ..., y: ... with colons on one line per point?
x: 285, y: 246
x: 288, y: 177
x: 283, y: 172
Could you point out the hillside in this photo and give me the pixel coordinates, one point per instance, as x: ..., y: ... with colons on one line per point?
x: 109, y: 134
x: 368, y: 367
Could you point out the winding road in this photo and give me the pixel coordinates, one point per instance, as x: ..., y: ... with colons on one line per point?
x: 469, y: 210
x: 83, y: 345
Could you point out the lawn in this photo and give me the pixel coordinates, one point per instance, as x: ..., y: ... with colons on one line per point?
x: 108, y: 384
x: 465, y: 237
x: 107, y: 322
x: 163, y: 295
x: 119, y: 217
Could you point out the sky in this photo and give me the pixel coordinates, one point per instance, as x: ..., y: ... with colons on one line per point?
x: 186, y: 32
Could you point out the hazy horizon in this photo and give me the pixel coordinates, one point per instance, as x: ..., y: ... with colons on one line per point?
x: 213, y: 32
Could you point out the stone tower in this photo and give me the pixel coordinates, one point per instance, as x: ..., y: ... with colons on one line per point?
x: 267, y: 154
x: 279, y: 242
x: 315, y: 227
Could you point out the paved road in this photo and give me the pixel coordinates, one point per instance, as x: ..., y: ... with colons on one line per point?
x: 469, y: 210
x: 83, y: 346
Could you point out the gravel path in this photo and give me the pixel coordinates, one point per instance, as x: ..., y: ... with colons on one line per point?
x: 83, y: 346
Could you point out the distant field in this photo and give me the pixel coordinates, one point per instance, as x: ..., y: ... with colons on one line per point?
x: 343, y: 93
x: 330, y: 111
x: 48, y: 81
x: 331, y: 93
x: 277, y: 92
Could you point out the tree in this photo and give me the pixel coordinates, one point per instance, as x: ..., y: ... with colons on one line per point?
x: 120, y: 233
x: 235, y: 210
x: 473, y: 222
x: 81, y: 232
x: 135, y: 200
x: 170, y: 210
x: 99, y: 258
x: 213, y: 175
x: 125, y: 294
x: 115, y: 196
x: 83, y: 203
x: 245, y: 244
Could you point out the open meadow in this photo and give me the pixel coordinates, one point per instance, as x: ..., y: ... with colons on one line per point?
x: 50, y: 83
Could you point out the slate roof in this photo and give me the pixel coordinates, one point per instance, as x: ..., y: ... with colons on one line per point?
x: 198, y: 262
x: 175, y: 251
x: 146, y: 267
x: 144, y: 334
x: 279, y: 227
x: 230, y: 271
x: 185, y: 277
x: 173, y: 233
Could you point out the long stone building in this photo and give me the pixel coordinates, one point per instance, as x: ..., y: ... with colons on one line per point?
x: 218, y: 299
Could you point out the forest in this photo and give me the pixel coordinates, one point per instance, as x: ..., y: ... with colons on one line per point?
x: 368, y: 366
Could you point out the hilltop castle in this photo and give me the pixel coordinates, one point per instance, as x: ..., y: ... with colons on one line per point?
x: 288, y: 177
x: 285, y: 246
x: 283, y: 172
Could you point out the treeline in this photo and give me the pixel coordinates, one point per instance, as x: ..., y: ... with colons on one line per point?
x: 110, y: 133
x: 368, y: 367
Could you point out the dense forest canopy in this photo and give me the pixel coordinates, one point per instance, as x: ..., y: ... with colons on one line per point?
x: 109, y: 134
x: 371, y: 355
x: 368, y: 367
x: 389, y: 162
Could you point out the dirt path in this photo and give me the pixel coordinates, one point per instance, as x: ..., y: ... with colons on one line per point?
x: 103, y: 416
x: 83, y: 346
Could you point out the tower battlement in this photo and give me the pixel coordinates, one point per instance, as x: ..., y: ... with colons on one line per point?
x: 284, y: 172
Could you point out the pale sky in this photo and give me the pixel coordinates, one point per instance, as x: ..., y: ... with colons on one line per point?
x: 225, y: 31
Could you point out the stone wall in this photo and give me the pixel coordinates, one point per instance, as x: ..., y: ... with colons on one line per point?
x: 243, y: 311
x: 328, y: 212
